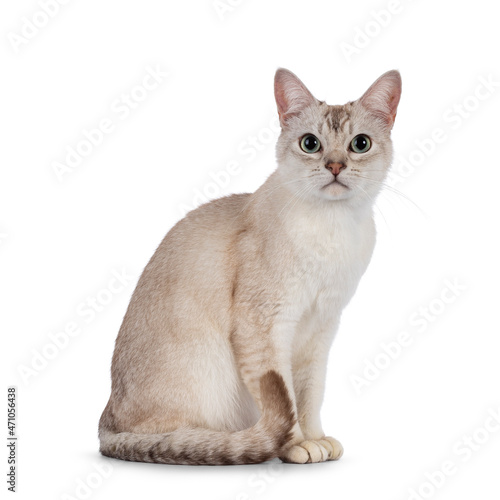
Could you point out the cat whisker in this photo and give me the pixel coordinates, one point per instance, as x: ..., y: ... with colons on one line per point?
x: 299, y: 196
x: 270, y: 191
x: 392, y: 190
x: 296, y: 197
x: 368, y: 197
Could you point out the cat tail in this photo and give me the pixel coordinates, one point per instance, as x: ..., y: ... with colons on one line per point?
x: 199, y: 446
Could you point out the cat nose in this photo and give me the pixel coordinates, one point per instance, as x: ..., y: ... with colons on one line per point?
x: 335, y: 168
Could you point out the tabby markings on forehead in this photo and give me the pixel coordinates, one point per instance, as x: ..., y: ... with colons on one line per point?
x: 336, y: 117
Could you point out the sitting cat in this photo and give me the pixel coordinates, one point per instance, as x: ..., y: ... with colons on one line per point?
x: 222, y: 354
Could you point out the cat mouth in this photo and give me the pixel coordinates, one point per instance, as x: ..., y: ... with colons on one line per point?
x: 335, y: 182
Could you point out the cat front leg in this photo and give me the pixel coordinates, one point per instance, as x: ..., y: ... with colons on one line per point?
x: 259, y: 345
x: 310, y: 357
x: 268, y: 346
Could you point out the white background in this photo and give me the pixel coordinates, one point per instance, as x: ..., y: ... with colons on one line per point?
x: 61, y: 240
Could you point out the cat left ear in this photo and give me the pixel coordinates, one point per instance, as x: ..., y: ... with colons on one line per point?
x: 382, y: 98
x: 291, y: 95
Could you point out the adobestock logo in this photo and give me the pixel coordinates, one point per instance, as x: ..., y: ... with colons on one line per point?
x: 121, y: 108
x: 30, y: 28
x: 364, y: 35
x: 259, y: 482
x: 223, y: 7
x: 248, y: 149
x: 462, y: 450
x: 418, y: 322
x: 85, y: 487
x: 453, y: 118
x: 87, y: 310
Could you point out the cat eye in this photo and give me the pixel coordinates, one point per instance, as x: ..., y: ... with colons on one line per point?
x: 361, y: 144
x: 310, y: 144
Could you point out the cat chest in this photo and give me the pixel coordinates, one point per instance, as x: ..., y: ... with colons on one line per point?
x: 328, y: 271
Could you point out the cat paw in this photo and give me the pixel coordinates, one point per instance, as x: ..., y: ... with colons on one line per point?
x: 335, y: 449
x: 308, y: 452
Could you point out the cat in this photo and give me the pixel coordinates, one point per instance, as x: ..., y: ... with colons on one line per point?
x: 222, y: 354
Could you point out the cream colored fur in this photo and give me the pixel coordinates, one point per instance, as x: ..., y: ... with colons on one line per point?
x: 222, y: 354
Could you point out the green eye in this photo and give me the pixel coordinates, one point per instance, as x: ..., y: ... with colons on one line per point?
x: 310, y: 144
x: 361, y: 144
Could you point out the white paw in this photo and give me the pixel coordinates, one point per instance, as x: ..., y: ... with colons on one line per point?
x: 308, y: 452
x: 335, y: 449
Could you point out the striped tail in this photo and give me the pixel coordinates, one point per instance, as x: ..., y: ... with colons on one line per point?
x: 198, y: 446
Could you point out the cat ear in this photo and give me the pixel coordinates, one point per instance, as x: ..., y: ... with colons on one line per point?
x: 382, y: 98
x: 291, y: 95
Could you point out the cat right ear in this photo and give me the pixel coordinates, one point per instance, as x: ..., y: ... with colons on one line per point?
x: 291, y: 95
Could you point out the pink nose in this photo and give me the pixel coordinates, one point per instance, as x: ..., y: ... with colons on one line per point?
x: 335, y: 168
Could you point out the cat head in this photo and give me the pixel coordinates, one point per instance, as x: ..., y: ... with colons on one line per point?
x: 335, y: 153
